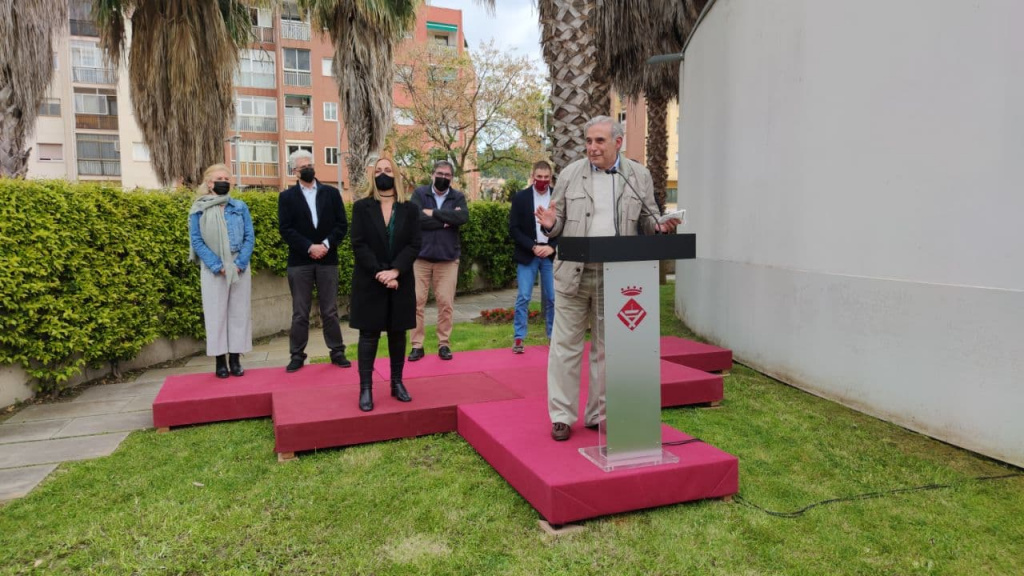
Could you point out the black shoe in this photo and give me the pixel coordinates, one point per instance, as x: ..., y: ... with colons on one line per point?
x: 234, y: 365
x: 366, y: 398
x: 560, y: 431
x: 295, y: 365
x: 592, y: 426
x: 399, y: 392
x: 445, y: 353
x: 222, y: 366
x: 341, y: 361
x: 415, y: 354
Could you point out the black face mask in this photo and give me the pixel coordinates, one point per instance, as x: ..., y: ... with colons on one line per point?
x: 221, y: 188
x: 307, y: 174
x: 442, y: 184
x: 384, y: 182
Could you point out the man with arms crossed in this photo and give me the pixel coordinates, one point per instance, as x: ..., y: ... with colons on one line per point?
x: 604, y: 194
x: 442, y: 210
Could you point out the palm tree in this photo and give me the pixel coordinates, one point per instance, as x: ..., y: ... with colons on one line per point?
x: 628, y: 33
x: 580, y: 89
x: 364, y: 33
x: 27, y: 29
x: 181, y: 66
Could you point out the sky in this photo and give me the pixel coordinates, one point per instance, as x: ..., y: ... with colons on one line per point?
x: 514, y: 25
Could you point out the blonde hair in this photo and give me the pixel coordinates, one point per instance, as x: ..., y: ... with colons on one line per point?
x: 371, y: 190
x: 204, y: 188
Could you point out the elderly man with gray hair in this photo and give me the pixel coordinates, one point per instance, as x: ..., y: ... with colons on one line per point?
x: 603, y: 194
x: 311, y: 218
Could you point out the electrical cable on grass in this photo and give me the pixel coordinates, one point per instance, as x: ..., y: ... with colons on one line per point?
x: 867, y: 496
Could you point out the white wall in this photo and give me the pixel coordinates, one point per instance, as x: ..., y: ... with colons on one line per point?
x: 853, y: 172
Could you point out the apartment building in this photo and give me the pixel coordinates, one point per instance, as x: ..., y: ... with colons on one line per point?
x: 286, y: 100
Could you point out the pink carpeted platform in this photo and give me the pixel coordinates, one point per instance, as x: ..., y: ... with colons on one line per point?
x: 680, y: 385
x: 202, y: 398
x: 514, y: 437
x: 468, y: 361
x: 695, y: 354
x: 315, y: 418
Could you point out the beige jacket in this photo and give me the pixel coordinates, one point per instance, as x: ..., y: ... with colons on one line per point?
x: 573, y: 200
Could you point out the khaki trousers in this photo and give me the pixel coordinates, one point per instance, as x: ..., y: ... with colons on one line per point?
x: 442, y: 277
x: 227, y: 311
x: 572, y: 316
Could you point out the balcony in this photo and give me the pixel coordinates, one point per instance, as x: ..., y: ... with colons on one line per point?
x: 294, y: 30
x: 298, y: 123
x: 255, y: 124
x: 443, y: 51
x: 89, y: 75
x: 263, y: 34
x: 255, y: 80
x: 96, y: 122
x: 84, y: 28
x: 256, y: 169
x: 99, y: 167
x: 297, y: 78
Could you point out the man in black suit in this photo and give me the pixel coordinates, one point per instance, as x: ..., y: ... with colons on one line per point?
x: 312, y: 221
x: 534, y: 253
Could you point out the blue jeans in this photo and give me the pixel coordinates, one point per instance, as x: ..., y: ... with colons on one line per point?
x: 526, y: 274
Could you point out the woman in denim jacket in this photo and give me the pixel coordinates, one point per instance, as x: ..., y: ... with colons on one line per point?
x: 222, y: 241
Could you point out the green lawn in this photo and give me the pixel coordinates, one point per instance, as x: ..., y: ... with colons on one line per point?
x: 213, y: 500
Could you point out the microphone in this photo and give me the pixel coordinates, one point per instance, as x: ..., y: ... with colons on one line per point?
x: 643, y: 206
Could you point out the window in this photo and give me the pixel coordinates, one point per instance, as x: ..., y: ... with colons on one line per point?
x: 80, y: 17
x: 95, y: 108
x: 298, y: 113
x: 403, y: 117
x: 98, y: 155
x: 327, y: 66
x: 256, y: 69
x: 256, y: 159
x: 255, y: 114
x: 51, y: 152
x: 296, y: 67
x: 87, y: 64
x: 331, y: 111
x: 292, y: 25
x: 140, y: 152
x: 308, y: 147
x: 331, y: 156
x: 262, y: 25
x: 93, y: 104
x: 49, y: 107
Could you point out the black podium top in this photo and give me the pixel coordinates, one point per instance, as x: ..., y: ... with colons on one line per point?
x: 627, y: 248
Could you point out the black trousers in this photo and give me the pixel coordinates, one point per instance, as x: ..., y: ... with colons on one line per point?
x: 301, y: 280
x: 367, y: 352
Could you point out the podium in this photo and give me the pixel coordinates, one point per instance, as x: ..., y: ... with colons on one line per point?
x: 629, y: 434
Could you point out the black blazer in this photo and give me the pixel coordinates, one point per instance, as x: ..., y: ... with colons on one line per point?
x: 296, y: 223
x: 373, y: 306
x: 522, y: 226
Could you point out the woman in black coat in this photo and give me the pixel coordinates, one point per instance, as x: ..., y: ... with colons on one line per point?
x: 386, y: 240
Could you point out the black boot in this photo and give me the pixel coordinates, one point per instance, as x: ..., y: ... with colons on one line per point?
x: 398, y: 390
x: 365, y: 391
x: 222, y: 366
x: 234, y: 365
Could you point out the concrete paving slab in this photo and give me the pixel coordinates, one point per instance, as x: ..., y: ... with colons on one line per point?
x: 17, y: 482
x: 30, y: 431
x: 117, y: 391
x: 68, y: 410
x: 105, y: 423
x: 140, y: 403
x: 159, y: 374
x: 59, y: 450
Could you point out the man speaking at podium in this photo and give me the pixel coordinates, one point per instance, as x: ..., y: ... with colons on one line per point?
x: 603, y: 194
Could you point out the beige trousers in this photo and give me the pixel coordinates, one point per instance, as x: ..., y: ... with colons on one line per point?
x: 227, y: 310
x: 442, y: 277
x: 565, y: 359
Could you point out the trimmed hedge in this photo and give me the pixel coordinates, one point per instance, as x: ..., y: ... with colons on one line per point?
x: 90, y: 274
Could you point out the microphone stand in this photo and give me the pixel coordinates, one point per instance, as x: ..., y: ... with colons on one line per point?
x: 643, y: 206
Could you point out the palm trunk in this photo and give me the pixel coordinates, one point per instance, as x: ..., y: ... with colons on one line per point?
x: 13, y: 155
x: 657, y: 146
x: 579, y: 89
